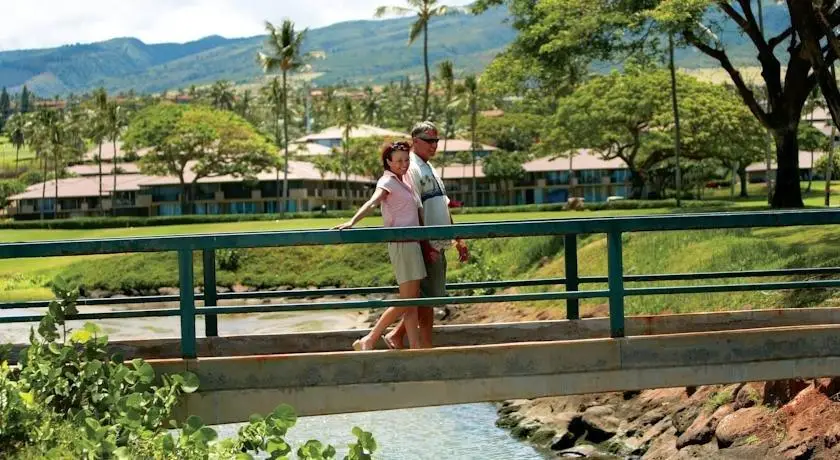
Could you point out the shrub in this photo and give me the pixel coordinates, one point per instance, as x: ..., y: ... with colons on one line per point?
x: 69, y: 398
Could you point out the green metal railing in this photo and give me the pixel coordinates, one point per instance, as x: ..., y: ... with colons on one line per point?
x: 616, y: 281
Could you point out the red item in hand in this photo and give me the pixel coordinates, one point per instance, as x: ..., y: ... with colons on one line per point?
x: 455, y: 204
x: 429, y: 253
x: 463, y: 253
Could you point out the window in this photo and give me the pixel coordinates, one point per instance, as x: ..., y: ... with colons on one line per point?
x: 160, y: 194
x: 620, y: 176
x: 243, y: 207
x: 590, y: 176
x: 557, y: 178
x: 208, y: 208
x: 169, y: 209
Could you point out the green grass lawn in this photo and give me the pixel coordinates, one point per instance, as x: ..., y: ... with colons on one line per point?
x: 7, y: 154
x: 366, y: 265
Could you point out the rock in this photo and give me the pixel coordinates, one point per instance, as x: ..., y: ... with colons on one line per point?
x: 563, y: 441
x: 703, y: 428
x: 684, y: 417
x: 99, y: 294
x: 509, y: 421
x: 663, y: 447
x: 222, y: 289
x: 525, y: 429
x: 832, y: 436
x: 581, y: 451
x: 543, y: 437
x: 599, y: 423
x: 780, y: 392
x: 749, y: 395
x: 169, y: 291
x: 441, y: 313
x: 239, y: 288
x: 741, y: 424
x: 639, y: 445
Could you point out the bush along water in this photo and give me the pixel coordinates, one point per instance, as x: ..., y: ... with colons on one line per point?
x: 69, y: 398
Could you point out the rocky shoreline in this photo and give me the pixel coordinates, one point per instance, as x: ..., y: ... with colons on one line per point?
x: 791, y: 419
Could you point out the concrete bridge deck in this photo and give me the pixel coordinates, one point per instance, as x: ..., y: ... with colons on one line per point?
x: 525, y: 360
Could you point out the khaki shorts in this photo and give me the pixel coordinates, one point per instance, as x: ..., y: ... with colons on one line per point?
x: 407, y: 259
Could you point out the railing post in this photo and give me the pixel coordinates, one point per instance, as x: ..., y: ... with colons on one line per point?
x: 615, y: 275
x: 211, y: 324
x: 185, y: 279
x: 570, y: 247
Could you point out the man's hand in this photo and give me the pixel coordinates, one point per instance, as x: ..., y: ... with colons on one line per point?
x: 343, y: 226
x: 463, y: 251
x: 430, y: 255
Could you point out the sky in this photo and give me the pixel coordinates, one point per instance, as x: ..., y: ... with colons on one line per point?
x: 48, y: 23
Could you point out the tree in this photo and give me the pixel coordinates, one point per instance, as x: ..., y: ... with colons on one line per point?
x: 560, y: 30
x: 98, y: 130
x: 5, y: 107
x: 447, y: 78
x: 628, y: 116
x: 470, y: 98
x: 425, y: 11
x: 114, y: 123
x: 370, y: 106
x: 285, y: 46
x: 243, y: 107
x: 16, y: 130
x: 347, y: 122
x: 325, y: 164
x: 221, y: 95
x: 504, y: 167
x: 514, y: 132
x: 193, y: 142
x: 40, y: 140
x: 24, y: 100
x: 274, y: 96
x: 67, y: 144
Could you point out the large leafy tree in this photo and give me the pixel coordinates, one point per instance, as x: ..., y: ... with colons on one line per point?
x: 628, y: 116
x: 791, y: 59
x: 285, y: 53
x: 425, y: 10
x: 193, y: 142
x: 504, y: 167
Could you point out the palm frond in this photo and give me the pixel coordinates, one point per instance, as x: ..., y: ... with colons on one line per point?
x: 416, y: 29
x: 383, y: 11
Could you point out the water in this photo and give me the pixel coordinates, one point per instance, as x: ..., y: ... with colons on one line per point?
x: 465, y: 432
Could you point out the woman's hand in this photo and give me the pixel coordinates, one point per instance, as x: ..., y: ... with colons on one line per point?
x: 344, y: 226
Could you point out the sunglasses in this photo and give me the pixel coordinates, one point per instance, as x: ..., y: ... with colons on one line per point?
x: 430, y: 140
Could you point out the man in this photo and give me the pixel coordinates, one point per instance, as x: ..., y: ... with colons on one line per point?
x: 429, y: 188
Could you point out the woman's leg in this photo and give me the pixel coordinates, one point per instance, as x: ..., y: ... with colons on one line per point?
x: 368, y: 341
x: 411, y: 290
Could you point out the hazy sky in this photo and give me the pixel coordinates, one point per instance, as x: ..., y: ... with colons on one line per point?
x: 48, y: 23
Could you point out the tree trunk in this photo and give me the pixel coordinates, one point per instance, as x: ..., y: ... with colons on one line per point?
x: 285, y: 147
x: 787, y: 193
x: 55, y: 182
x: 99, y: 161
x: 637, y: 184
x: 17, y: 160
x: 44, y: 187
x: 426, y: 66
x: 742, y: 174
x: 114, y: 191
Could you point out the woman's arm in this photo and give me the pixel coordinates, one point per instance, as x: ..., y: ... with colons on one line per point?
x: 367, y: 208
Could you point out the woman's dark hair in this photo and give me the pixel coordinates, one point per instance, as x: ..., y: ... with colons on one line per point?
x: 389, y: 150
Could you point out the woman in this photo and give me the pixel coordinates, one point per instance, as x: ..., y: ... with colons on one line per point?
x: 400, y: 208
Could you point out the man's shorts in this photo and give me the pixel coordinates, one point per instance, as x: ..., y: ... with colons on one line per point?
x: 434, y: 285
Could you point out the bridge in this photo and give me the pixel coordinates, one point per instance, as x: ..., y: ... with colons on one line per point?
x: 314, y: 372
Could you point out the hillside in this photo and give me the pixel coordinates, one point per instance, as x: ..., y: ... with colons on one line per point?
x: 358, y: 51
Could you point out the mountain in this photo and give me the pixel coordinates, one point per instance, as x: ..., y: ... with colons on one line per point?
x: 356, y: 51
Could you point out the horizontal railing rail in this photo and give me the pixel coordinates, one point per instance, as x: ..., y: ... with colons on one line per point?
x: 616, y: 281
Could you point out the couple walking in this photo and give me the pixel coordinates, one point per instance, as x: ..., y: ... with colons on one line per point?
x: 411, y: 193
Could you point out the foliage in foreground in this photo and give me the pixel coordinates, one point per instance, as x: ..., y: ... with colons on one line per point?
x: 69, y: 398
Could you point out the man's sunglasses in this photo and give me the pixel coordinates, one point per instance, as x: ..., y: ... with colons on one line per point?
x: 430, y: 140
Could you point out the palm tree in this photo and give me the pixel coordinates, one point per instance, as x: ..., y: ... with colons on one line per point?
x: 425, y: 11
x: 40, y: 138
x: 66, y: 143
x: 370, y: 106
x: 447, y: 77
x: 347, y: 121
x: 325, y: 164
x: 285, y: 46
x: 221, y: 95
x: 16, y: 129
x: 97, y: 130
x: 273, y: 94
x: 469, y: 98
x: 115, y: 121
x: 244, y: 105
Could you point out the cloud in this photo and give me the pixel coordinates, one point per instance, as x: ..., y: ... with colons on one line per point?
x: 49, y: 23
